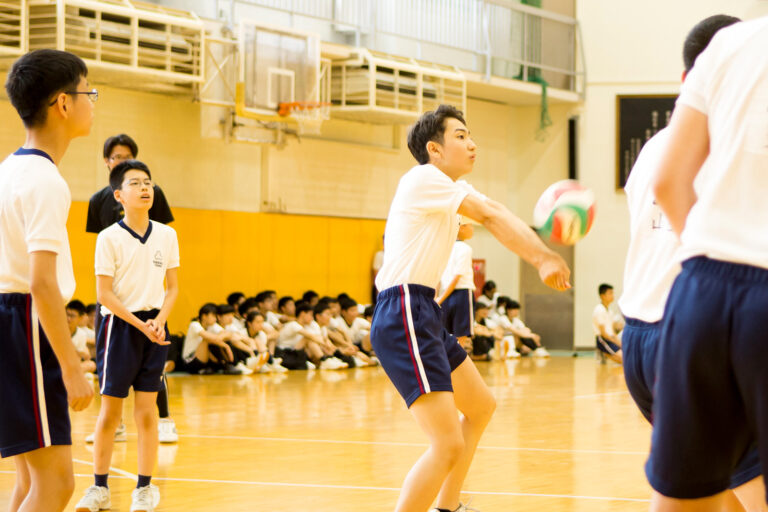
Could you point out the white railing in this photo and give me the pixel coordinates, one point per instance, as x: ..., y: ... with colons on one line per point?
x: 493, y: 37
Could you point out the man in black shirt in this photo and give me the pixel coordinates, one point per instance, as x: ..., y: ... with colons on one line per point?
x: 103, y: 208
x: 103, y: 211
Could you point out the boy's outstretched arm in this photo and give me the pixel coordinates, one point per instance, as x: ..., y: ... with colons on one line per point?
x: 516, y: 236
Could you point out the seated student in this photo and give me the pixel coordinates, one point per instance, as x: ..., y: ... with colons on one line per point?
x: 251, y: 305
x: 368, y: 313
x: 90, y: 329
x: 332, y: 358
x: 286, y: 307
x: 345, y: 350
x: 267, y: 303
x: 244, y: 352
x: 298, y: 346
x: 254, y: 325
x: 311, y: 297
x: 603, y: 325
x: 234, y: 299
x: 501, y: 347
x: 205, y: 352
x: 488, y: 295
x: 356, y: 328
x: 75, y: 313
x: 527, y: 340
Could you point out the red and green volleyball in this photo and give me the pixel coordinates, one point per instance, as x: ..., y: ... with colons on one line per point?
x: 564, y: 213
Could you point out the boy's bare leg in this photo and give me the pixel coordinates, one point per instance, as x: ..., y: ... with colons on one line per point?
x: 21, y: 487
x: 751, y: 495
x: 110, y: 416
x: 436, y: 414
x: 474, y: 400
x: 51, y: 479
x: 661, y: 503
x: 145, y: 414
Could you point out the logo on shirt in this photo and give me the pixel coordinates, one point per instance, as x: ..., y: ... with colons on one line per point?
x: 158, y: 259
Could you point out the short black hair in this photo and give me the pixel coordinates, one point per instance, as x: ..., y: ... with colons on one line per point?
x: 347, y: 303
x: 320, y: 308
x: 117, y: 174
x: 76, y: 305
x: 302, y: 307
x: 329, y: 300
x: 368, y: 311
x: 503, y: 301
x: 262, y: 296
x: 488, y: 286
x: 480, y: 305
x: 513, y: 304
x: 224, y: 309
x: 700, y: 35
x: 247, y: 304
x: 252, y: 316
x: 37, y: 77
x: 604, y: 288
x: 234, y: 297
x: 206, y: 309
x: 120, y: 140
x: 430, y: 127
x: 90, y: 308
x: 342, y: 296
x: 309, y: 295
x: 283, y: 301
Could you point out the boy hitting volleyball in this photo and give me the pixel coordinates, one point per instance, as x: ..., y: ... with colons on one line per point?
x: 133, y: 258
x: 709, y: 398
x: 650, y: 269
x: 426, y: 364
x: 39, y: 368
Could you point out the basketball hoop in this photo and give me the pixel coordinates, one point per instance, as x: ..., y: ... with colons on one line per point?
x: 309, y: 115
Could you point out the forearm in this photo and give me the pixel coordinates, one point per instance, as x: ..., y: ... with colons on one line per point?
x: 109, y: 300
x: 676, y: 198
x: 49, y: 305
x: 448, y: 291
x: 515, y: 235
x: 171, y: 294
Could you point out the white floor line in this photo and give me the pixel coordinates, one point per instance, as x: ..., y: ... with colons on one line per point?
x: 396, y: 443
x: 126, y: 475
x: 595, y: 395
x: 116, y: 471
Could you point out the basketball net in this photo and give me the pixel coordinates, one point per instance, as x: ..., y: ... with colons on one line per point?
x: 308, y: 115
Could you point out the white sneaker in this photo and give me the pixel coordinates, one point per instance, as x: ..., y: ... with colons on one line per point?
x: 277, y: 367
x: 145, y: 499
x: 462, y: 508
x: 96, y: 498
x: 311, y: 365
x: 540, y: 352
x: 257, y: 362
x: 513, y: 354
x: 166, y: 431
x: 244, y: 370
x: 120, y: 435
x: 359, y: 363
x: 333, y: 363
x: 374, y: 361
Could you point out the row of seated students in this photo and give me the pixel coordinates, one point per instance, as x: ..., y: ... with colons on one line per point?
x: 81, y: 320
x: 264, y: 334
x: 500, y: 333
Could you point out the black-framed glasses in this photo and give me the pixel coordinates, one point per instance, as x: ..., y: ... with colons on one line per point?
x: 93, y: 95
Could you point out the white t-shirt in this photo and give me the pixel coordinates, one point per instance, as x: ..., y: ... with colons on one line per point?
x: 192, y: 339
x: 290, y: 335
x: 602, y: 317
x: 491, y: 303
x: 238, y: 328
x: 137, y: 264
x: 652, y: 260
x: 360, y: 329
x: 314, y: 328
x: 459, y: 263
x: 274, y: 320
x: 79, y: 340
x: 378, y: 260
x: 34, y: 205
x: 239, y: 324
x: 421, y: 227
x: 729, y: 83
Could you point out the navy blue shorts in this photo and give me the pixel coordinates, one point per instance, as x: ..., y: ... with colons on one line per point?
x: 126, y: 358
x: 640, y: 342
x: 458, y: 314
x: 411, y: 343
x: 33, y: 399
x: 710, y: 398
x: 609, y: 347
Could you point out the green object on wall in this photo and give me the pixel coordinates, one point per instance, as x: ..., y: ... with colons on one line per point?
x: 532, y: 3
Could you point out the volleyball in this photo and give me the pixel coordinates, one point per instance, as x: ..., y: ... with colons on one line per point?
x: 564, y: 212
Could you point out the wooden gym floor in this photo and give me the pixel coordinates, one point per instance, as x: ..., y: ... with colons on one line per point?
x: 566, y: 436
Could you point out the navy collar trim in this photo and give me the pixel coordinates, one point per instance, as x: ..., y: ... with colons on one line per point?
x: 32, y: 151
x: 142, y: 239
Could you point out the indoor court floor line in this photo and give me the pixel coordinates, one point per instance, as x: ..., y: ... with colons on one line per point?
x: 566, y: 436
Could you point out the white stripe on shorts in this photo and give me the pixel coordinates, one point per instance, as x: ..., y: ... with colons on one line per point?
x: 414, y: 344
x: 111, y: 320
x: 471, y: 312
x: 39, y: 378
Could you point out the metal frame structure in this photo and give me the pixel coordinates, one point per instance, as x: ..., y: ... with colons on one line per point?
x: 158, y: 44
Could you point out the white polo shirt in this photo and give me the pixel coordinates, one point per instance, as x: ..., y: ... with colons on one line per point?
x: 602, y: 317
x: 137, y: 264
x: 729, y: 83
x: 80, y: 340
x: 459, y: 263
x: 421, y: 227
x: 274, y: 320
x: 290, y: 335
x: 652, y: 261
x: 34, y: 205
